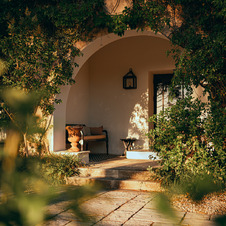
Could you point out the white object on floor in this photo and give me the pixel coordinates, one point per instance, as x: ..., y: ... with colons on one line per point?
x: 142, y: 154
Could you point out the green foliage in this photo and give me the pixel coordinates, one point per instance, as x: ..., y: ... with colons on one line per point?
x: 38, y: 38
x: 183, y: 121
x: 25, y: 192
x: 189, y: 137
x: 163, y: 205
x: 20, y: 108
x: 199, y: 186
x: 18, y: 206
x: 38, y: 46
x: 180, y: 138
x: 215, y: 126
x: 193, y: 156
x: 56, y: 168
x: 141, y: 15
x: 202, y: 37
x: 197, y: 31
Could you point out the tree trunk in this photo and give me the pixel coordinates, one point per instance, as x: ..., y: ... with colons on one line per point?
x: 26, y: 152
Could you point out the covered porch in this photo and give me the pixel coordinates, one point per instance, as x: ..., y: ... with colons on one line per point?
x: 98, y: 97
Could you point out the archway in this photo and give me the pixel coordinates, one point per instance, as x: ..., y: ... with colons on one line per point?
x: 143, y: 64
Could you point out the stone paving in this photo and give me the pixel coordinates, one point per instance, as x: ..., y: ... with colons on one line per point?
x: 121, y: 162
x: 118, y: 173
x: 123, y: 207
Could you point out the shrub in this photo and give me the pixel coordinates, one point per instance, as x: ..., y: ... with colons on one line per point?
x: 25, y: 195
x: 56, y: 168
x: 182, y: 140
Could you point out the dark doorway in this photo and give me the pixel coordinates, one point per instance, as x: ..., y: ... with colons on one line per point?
x: 162, y: 97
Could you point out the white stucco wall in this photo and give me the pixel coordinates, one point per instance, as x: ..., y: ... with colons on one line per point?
x: 98, y: 97
x: 79, y: 97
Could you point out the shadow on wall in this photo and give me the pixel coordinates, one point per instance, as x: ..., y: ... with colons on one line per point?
x: 138, y: 123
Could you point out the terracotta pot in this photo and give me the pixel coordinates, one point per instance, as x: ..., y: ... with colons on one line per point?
x: 74, y: 136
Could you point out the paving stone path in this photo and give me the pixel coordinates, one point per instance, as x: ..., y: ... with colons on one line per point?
x: 118, y: 173
x: 123, y: 207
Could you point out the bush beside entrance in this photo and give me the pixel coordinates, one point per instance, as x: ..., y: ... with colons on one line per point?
x: 189, y: 139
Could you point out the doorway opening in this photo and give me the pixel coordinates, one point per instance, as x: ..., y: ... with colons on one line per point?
x: 162, y: 96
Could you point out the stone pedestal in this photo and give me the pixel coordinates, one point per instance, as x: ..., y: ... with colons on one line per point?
x: 74, y: 136
x: 82, y: 155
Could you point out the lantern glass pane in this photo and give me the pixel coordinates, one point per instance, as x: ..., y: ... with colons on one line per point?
x: 129, y: 82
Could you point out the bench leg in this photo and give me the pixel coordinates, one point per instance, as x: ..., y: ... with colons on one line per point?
x: 107, y: 146
x: 86, y: 146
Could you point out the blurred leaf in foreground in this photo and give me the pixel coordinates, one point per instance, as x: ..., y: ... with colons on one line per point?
x: 24, y: 194
x: 197, y: 187
x: 164, y: 206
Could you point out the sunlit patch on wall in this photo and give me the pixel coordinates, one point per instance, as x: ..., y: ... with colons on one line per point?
x: 139, y: 122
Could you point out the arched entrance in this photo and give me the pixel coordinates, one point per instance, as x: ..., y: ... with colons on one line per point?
x: 98, y: 97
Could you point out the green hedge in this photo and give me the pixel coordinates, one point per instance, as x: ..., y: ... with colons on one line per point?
x: 54, y: 169
x: 189, y: 143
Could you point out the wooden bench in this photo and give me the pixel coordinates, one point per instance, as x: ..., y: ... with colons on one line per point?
x: 90, y: 134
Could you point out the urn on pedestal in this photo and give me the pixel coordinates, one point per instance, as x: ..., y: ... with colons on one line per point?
x: 74, y: 136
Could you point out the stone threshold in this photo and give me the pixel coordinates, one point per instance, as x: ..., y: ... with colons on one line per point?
x: 142, y: 154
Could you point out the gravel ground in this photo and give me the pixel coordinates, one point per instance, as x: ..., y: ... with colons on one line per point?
x: 214, y: 204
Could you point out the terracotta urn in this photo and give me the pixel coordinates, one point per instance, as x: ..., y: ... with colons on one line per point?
x: 74, y: 136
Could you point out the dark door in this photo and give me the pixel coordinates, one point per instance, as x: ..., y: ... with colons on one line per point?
x: 162, y: 97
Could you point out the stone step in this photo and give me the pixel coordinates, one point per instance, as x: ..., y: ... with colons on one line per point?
x: 115, y: 173
x: 113, y: 183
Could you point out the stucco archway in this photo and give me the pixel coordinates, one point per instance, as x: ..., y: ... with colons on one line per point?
x: 88, y: 51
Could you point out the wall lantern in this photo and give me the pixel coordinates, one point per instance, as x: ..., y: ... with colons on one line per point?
x: 130, y: 80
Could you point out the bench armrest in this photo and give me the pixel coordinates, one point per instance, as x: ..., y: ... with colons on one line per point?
x: 106, y: 133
